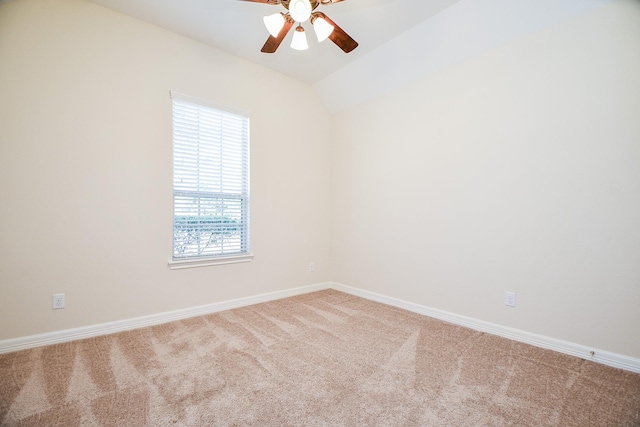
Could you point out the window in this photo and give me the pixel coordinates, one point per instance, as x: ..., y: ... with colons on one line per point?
x: 210, y: 184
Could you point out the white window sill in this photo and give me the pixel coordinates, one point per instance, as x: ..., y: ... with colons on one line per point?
x: 193, y: 263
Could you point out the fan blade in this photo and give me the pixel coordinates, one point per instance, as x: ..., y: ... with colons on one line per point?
x: 328, y: 2
x: 272, y: 43
x: 265, y: 1
x: 339, y: 37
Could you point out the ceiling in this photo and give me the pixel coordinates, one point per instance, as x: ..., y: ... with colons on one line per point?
x: 236, y: 27
x: 399, y: 40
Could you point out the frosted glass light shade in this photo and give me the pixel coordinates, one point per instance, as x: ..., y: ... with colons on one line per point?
x: 299, y: 41
x: 274, y: 23
x: 300, y: 10
x: 322, y: 28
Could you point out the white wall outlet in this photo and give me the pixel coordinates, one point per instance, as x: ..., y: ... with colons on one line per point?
x: 58, y: 301
x: 510, y: 299
x: 312, y: 267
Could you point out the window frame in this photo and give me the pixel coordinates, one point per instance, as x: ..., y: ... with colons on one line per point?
x: 244, y: 255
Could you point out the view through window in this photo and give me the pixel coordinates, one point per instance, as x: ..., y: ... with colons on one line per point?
x: 210, y: 181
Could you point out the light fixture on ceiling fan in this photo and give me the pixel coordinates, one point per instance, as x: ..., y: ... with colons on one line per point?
x: 299, y: 41
x: 300, y: 11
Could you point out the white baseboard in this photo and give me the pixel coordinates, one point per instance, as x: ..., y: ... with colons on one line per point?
x: 67, y: 335
x: 584, y: 352
x: 600, y: 356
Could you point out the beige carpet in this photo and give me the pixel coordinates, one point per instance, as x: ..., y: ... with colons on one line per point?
x: 321, y: 359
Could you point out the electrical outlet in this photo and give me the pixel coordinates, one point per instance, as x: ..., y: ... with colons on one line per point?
x: 58, y: 301
x: 312, y: 267
x: 510, y: 299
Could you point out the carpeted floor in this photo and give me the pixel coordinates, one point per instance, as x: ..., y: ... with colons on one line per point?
x: 321, y: 359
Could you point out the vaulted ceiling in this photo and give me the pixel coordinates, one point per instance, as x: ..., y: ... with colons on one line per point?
x: 399, y: 40
x: 236, y: 27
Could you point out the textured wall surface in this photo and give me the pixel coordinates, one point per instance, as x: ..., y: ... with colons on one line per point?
x: 517, y: 170
x: 85, y: 169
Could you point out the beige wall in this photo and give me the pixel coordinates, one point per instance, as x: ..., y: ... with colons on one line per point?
x: 85, y: 169
x: 517, y: 170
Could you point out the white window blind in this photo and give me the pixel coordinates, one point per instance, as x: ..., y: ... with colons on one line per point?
x: 210, y: 181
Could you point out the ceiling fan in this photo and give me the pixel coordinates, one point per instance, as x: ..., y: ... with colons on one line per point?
x: 300, y: 11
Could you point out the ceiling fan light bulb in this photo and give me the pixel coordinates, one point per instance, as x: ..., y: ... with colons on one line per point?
x: 322, y: 28
x: 274, y: 23
x: 299, y: 41
x: 300, y: 10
